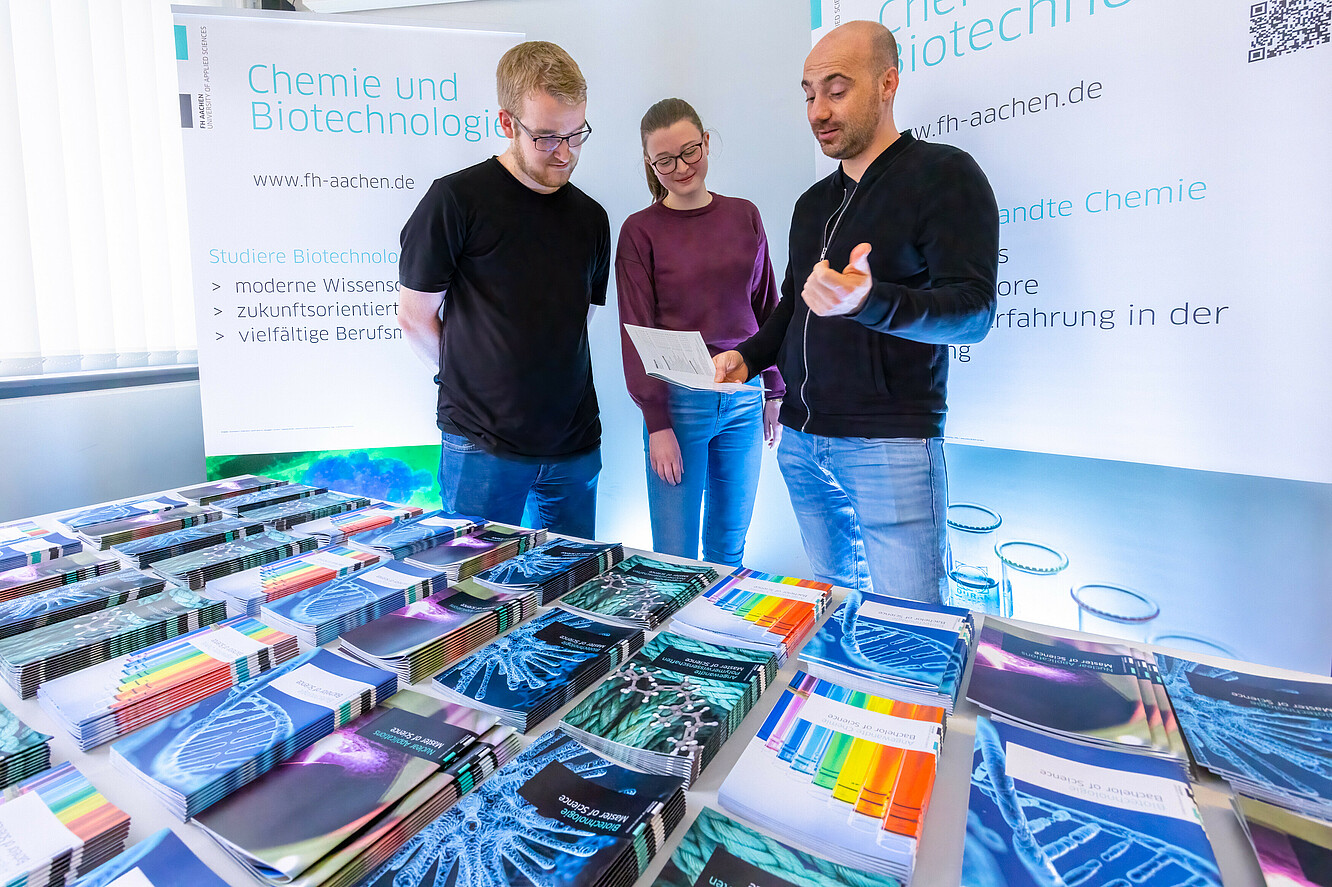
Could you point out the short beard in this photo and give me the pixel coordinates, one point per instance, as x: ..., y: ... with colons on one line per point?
x: 855, y: 138
x: 540, y: 176
x: 852, y: 143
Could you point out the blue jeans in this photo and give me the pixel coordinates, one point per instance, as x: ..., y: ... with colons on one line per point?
x: 872, y: 511
x: 721, y: 448
x: 561, y: 496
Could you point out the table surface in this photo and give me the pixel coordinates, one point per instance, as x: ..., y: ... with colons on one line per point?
x: 939, y: 857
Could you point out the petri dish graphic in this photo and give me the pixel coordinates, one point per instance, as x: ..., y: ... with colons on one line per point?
x: 1029, y: 585
x: 1114, y: 610
x: 1187, y: 642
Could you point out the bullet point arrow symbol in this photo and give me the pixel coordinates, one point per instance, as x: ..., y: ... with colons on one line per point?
x: 217, y: 311
x: 219, y: 335
x: 216, y: 287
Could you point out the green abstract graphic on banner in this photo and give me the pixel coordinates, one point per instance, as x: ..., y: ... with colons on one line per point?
x: 404, y: 475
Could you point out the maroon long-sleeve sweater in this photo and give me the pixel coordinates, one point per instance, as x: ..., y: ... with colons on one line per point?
x: 701, y: 269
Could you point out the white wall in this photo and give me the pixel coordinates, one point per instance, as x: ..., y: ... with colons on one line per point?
x: 65, y: 450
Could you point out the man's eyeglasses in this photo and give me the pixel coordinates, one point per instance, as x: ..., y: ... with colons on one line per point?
x: 550, y: 143
x: 690, y: 155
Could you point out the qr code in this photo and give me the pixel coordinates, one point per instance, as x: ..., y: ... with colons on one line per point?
x: 1277, y: 27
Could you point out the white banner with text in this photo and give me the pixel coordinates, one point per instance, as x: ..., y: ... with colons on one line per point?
x: 308, y: 142
x: 1161, y: 173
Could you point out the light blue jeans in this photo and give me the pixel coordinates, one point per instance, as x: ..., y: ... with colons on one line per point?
x: 872, y: 511
x: 560, y: 496
x: 721, y: 449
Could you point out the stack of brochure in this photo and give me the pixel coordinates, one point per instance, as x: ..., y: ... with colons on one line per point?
x: 640, y: 592
x: 342, y: 527
x: 1095, y: 692
x: 468, y: 555
x: 24, y: 542
x: 204, y: 753
x: 911, y: 651
x: 109, y: 511
x: 717, y: 849
x: 325, y: 817
x: 553, y: 568
x: 146, y: 552
x: 198, y: 568
x: 1045, y: 811
x: 1291, y: 849
x: 425, y: 637
x: 404, y: 538
x: 121, y: 695
x: 23, y: 751
x: 539, y: 667
x: 318, y: 615
x: 104, y: 535
x: 285, y: 515
x: 68, y: 601
x: 67, y: 570
x: 1270, y: 738
x: 159, y: 860
x: 28, y: 659
x: 669, y: 709
x: 247, y: 503
x: 557, y: 815
x: 758, y: 611
x: 861, y: 766
x: 216, y: 491
x: 308, y: 570
x: 58, y: 827
x: 248, y: 590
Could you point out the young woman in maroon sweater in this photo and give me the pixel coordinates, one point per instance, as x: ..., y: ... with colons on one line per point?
x: 695, y: 260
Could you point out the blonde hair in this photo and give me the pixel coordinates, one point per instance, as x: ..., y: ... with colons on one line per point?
x: 538, y: 66
x: 664, y: 114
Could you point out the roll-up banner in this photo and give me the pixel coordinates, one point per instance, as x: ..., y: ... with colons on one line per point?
x: 308, y: 141
x: 1148, y: 418
x: 1161, y: 169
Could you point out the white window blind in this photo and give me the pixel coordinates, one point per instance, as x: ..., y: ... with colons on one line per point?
x: 93, y: 232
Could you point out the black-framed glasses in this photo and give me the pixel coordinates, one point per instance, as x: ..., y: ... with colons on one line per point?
x: 547, y: 144
x: 690, y: 155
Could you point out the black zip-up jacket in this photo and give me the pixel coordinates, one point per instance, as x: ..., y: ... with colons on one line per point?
x: 930, y: 217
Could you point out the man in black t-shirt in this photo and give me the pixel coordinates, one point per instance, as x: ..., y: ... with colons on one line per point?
x: 501, y: 264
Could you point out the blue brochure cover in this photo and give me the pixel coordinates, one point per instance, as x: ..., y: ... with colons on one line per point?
x: 68, y: 601
x: 520, y: 670
x: 33, y: 549
x: 341, y: 597
x: 410, y: 536
x: 1045, y: 811
x: 902, y: 640
x: 542, y: 564
x: 557, y: 815
x: 161, y: 858
x: 100, y: 514
x: 160, y: 547
x: 1274, y: 733
x: 298, y: 702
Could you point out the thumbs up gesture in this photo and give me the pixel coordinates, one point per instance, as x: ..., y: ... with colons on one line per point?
x: 829, y: 293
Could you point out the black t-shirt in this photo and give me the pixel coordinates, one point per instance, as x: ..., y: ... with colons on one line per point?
x: 519, y: 270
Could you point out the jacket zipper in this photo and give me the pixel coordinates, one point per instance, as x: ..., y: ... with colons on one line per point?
x: 834, y: 220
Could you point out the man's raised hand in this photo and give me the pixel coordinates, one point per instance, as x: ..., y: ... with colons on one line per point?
x: 829, y: 293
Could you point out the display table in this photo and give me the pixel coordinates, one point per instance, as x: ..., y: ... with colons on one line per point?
x: 939, y: 861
